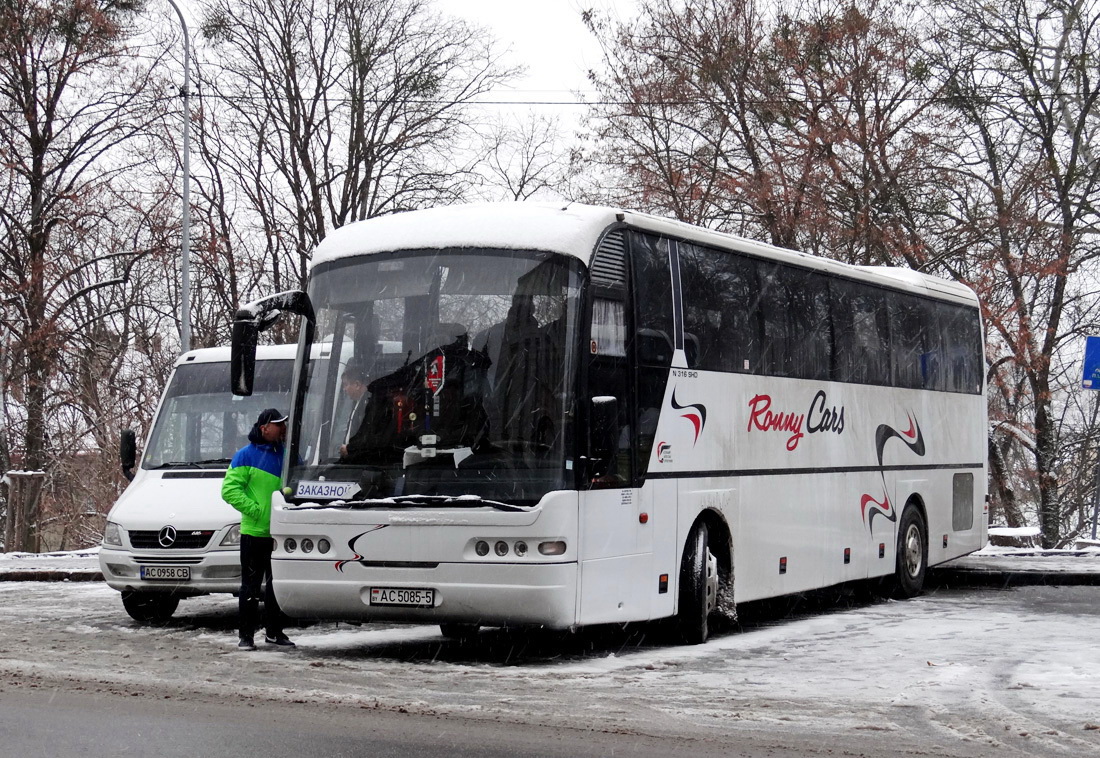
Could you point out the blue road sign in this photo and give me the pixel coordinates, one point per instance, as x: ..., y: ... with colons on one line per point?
x: 1090, y: 379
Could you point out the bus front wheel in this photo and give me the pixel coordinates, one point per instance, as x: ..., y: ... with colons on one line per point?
x: 912, y: 554
x: 698, y: 587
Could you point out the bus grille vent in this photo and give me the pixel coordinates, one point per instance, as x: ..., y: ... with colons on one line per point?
x: 609, y: 263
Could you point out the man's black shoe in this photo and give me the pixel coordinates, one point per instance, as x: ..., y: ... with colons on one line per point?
x: 246, y: 643
x: 279, y: 639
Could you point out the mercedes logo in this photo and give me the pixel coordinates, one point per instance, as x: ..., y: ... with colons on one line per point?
x: 167, y: 536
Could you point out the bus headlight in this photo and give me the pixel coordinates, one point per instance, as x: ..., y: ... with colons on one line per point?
x: 307, y: 545
x: 552, y: 548
x: 112, y: 534
x: 290, y: 544
x: 232, y: 538
x: 323, y: 545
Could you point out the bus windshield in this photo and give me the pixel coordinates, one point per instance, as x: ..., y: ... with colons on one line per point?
x: 200, y: 424
x: 450, y: 374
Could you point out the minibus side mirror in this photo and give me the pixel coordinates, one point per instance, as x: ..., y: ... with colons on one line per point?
x: 247, y: 325
x: 127, y: 453
x: 603, y: 434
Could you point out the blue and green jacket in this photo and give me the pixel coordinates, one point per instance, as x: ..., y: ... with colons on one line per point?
x: 253, y: 476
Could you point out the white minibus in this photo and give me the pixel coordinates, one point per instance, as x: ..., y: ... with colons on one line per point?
x: 170, y: 535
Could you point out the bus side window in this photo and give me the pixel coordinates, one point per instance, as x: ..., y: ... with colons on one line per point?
x: 906, y: 341
x: 933, y: 359
x: 962, y: 348
x: 811, y: 337
x: 608, y: 373
x: 721, y: 321
x: 860, y: 329
x: 653, y: 337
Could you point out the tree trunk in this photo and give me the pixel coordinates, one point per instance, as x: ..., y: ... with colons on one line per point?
x: 21, y: 533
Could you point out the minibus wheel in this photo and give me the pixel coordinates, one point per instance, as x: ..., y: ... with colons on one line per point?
x: 698, y: 586
x: 912, y: 554
x: 149, y: 607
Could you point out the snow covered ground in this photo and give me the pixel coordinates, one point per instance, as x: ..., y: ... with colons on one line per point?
x: 961, y: 672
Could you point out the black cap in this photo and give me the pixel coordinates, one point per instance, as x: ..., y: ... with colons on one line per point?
x: 270, y: 416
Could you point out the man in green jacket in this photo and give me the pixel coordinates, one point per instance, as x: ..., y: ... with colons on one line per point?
x: 253, y: 476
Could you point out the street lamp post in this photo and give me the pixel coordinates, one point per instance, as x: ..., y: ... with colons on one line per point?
x: 185, y: 232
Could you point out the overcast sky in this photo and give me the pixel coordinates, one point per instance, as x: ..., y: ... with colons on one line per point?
x: 547, y: 37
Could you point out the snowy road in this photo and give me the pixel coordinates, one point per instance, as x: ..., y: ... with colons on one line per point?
x: 955, y: 672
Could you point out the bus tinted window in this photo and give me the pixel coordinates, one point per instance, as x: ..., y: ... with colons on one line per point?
x: 859, y: 322
x: 775, y: 310
x: 797, y: 333
x: 906, y: 341
x: 654, y: 337
x: 653, y: 300
x: 721, y: 317
x: 962, y: 348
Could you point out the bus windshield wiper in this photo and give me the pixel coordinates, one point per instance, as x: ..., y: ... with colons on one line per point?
x: 414, y: 501
x: 189, y: 464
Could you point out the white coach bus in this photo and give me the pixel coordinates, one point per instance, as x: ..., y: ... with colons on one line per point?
x: 170, y: 535
x: 579, y: 415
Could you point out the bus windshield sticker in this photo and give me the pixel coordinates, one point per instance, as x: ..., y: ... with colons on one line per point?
x: 436, y: 375
x: 326, y: 490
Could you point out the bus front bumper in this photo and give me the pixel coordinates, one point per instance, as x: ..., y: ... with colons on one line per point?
x: 538, y: 594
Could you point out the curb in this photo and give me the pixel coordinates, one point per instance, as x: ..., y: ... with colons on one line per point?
x: 51, y: 576
x: 956, y: 577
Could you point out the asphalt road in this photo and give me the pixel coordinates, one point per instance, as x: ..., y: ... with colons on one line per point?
x: 967, y: 673
x: 42, y: 722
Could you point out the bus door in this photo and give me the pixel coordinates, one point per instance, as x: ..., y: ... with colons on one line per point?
x: 621, y: 512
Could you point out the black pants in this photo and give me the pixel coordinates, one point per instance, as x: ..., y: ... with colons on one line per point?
x: 256, y: 571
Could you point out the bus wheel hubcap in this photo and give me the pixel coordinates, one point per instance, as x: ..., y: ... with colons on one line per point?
x: 712, y: 582
x: 913, y: 556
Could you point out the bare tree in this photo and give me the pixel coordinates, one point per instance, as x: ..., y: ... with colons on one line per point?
x: 1026, y: 212
x: 322, y: 112
x: 70, y: 102
x: 525, y: 157
x: 808, y: 123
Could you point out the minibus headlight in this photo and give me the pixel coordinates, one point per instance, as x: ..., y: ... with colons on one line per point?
x: 232, y: 538
x: 112, y: 535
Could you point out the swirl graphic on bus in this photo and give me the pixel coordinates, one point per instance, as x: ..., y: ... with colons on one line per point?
x: 351, y: 546
x: 914, y: 440
x: 698, y: 419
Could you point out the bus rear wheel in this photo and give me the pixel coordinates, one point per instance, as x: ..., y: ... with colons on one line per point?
x: 149, y: 607
x: 912, y: 555
x: 698, y: 587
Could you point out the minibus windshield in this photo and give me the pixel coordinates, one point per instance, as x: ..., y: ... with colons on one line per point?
x: 201, y: 424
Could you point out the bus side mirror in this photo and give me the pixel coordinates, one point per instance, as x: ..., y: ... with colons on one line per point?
x: 247, y: 325
x: 242, y: 353
x: 603, y: 434
x: 127, y: 453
